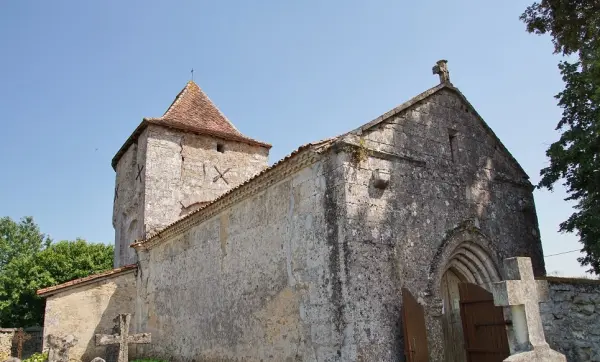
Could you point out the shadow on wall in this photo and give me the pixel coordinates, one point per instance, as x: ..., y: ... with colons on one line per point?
x: 109, y: 324
x: 439, y: 179
x: 90, y: 315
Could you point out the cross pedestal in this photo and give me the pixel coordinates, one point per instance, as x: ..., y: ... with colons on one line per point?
x: 520, y: 295
x: 123, y: 339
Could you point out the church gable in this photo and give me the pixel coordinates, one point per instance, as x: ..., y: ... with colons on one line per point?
x: 441, y: 126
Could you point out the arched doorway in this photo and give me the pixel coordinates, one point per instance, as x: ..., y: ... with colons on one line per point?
x: 465, y: 257
x: 466, y: 302
x: 469, y: 264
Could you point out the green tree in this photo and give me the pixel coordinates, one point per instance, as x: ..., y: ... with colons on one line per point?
x: 32, y: 268
x: 574, y: 26
x: 23, y: 238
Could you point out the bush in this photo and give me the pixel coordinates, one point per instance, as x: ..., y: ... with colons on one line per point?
x: 37, y: 357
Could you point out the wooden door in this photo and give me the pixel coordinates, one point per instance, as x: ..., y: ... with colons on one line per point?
x: 483, y: 325
x: 454, y: 338
x: 415, y: 334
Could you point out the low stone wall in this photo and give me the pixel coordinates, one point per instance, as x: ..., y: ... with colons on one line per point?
x: 85, y: 309
x: 8, y: 342
x: 571, y: 318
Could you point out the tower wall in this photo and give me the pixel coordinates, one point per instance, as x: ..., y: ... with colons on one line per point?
x: 184, y: 172
x: 128, y: 207
x: 169, y: 173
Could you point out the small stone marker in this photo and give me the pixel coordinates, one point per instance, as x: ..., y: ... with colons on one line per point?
x: 123, y: 338
x: 521, y: 293
x: 21, y: 337
x: 58, y: 347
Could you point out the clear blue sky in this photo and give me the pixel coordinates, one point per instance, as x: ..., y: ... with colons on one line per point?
x: 76, y: 77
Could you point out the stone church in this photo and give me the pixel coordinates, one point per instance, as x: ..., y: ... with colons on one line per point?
x: 222, y: 257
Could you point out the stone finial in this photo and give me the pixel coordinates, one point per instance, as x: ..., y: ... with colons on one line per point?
x: 521, y: 295
x: 441, y: 69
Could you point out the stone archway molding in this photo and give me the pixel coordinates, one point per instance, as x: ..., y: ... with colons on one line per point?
x: 467, y: 250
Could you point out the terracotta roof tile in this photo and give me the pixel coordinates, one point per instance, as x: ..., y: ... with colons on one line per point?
x: 192, y: 111
x: 90, y: 278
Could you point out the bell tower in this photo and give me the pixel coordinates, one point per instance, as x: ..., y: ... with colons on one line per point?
x: 175, y: 164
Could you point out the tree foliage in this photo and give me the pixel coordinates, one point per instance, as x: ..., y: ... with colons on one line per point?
x: 18, y: 239
x: 575, y: 158
x: 34, y: 262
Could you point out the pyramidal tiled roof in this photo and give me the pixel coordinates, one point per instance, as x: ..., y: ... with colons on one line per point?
x: 193, y: 111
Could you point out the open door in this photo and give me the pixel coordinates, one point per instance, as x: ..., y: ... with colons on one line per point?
x: 415, y: 334
x: 483, y: 325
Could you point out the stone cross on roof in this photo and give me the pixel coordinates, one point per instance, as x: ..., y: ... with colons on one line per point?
x: 521, y: 293
x: 441, y: 69
x: 123, y: 338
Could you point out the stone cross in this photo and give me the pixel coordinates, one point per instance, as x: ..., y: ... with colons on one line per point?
x: 21, y: 337
x: 441, y: 69
x: 521, y: 295
x: 58, y: 348
x: 123, y: 338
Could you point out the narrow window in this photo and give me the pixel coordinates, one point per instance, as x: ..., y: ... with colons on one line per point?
x: 220, y: 147
x: 452, y: 139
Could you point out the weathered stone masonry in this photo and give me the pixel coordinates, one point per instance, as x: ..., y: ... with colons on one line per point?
x: 436, y: 189
x: 255, y: 276
x: 307, y: 259
x: 571, y: 318
x: 169, y: 173
x: 448, y: 176
x: 88, y: 306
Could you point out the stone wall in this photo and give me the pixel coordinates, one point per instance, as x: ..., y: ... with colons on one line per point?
x: 571, y: 318
x: 89, y: 309
x: 249, y: 282
x: 183, y: 171
x: 9, y: 345
x: 311, y: 267
x: 128, y: 206
x: 168, y: 173
x: 450, y: 182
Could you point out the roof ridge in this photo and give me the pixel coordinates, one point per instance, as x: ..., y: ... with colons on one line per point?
x: 426, y: 94
x: 90, y: 278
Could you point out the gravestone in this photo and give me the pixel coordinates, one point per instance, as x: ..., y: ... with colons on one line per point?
x: 58, y: 347
x: 520, y: 295
x: 122, y: 339
x: 21, y: 338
